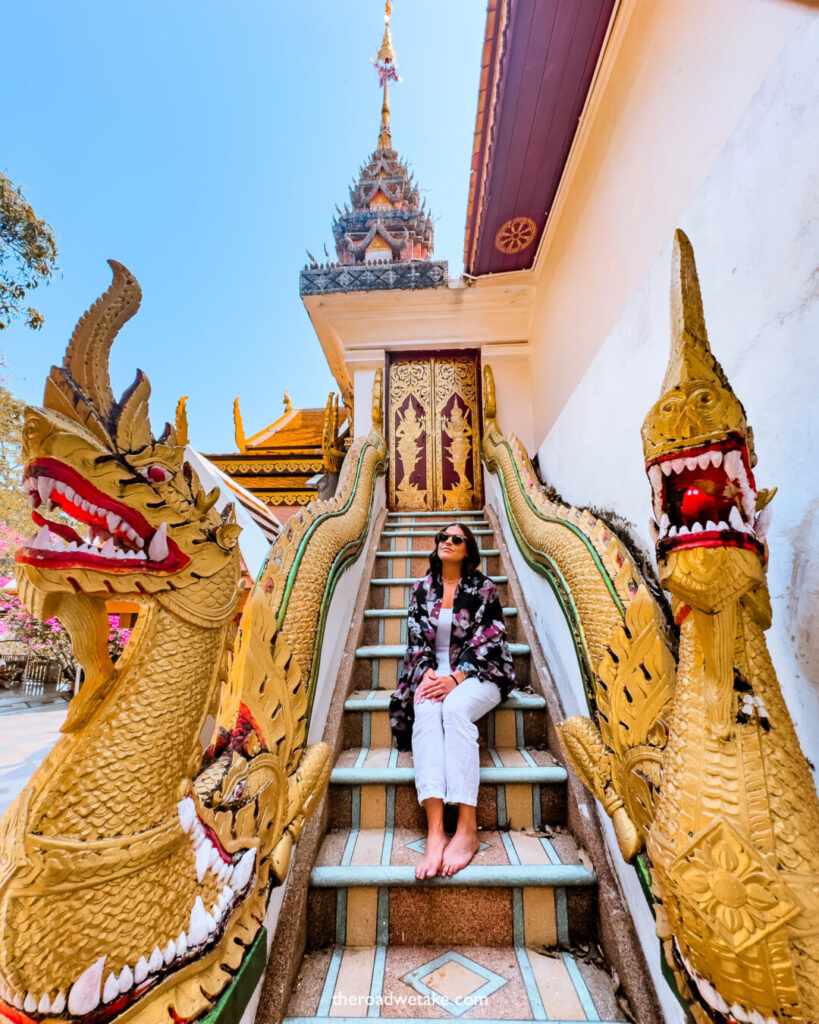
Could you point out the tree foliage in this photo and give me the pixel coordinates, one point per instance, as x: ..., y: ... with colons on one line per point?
x: 14, y: 503
x: 28, y: 255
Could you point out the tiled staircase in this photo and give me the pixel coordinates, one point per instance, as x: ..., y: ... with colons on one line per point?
x: 511, y: 936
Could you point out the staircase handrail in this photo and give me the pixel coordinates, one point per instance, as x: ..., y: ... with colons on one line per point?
x: 619, y: 631
x: 316, y: 545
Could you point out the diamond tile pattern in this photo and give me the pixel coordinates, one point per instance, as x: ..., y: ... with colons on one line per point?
x: 454, y: 982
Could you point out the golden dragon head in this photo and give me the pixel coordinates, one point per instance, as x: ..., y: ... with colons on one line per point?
x: 135, y: 520
x: 710, y: 520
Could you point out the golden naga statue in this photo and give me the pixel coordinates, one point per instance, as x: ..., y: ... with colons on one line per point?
x: 733, y: 844
x: 135, y: 868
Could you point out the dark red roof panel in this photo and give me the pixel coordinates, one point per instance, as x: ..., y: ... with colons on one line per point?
x: 538, y: 63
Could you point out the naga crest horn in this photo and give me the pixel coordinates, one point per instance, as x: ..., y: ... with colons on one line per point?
x: 81, y: 387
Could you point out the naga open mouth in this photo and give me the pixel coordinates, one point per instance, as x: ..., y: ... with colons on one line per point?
x: 95, y: 997
x: 119, y: 538
x: 706, y: 497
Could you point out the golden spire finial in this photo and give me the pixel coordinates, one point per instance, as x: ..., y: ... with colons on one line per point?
x: 288, y: 402
x: 387, y: 72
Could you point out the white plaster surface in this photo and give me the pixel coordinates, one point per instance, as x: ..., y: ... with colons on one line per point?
x: 26, y: 737
x: 754, y: 225
x: 337, y: 627
x: 556, y: 640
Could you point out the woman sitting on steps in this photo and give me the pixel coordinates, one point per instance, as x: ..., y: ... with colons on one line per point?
x: 457, y: 667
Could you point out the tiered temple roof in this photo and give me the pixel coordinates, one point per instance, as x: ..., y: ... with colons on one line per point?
x: 384, y: 235
x: 277, y: 464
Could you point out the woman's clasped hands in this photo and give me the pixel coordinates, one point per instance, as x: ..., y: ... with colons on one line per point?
x: 433, y: 686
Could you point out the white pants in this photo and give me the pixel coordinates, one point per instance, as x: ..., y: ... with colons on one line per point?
x: 445, y: 742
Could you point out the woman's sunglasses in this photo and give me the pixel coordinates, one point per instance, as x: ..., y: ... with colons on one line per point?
x: 455, y: 538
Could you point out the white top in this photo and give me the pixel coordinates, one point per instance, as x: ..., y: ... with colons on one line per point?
x: 442, y: 638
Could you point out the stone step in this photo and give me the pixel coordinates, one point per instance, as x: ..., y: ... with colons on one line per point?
x: 399, y: 650
x: 419, y: 553
x: 519, y: 721
x: 477, y: 513
x: 408, y: 581
x: 421, y: 531
x: 394, y: 591
x: 416, y: 563
x: 401, y: 613
x: 539, y: 877
x: 374, y: 787
x: 377, y: 666
x: 484, y: 983
x: 389, y: 625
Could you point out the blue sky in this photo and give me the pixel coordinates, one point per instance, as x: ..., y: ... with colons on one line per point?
x: 205, y: 145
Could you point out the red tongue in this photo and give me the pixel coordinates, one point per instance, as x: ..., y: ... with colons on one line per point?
x: 698, y: 507
x: 60, y: 529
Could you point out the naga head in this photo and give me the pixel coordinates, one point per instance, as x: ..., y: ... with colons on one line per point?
x: 709, y: 520
x: 135, y: 520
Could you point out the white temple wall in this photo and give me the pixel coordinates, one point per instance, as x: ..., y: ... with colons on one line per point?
x: 513, y: 391
x: 739, y: 173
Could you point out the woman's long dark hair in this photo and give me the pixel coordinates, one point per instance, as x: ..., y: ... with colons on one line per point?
x: 472, y: 558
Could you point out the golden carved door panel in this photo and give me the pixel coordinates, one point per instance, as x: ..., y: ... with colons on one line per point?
x: 433, y: 432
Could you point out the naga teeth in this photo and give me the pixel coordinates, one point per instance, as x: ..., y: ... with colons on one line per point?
x: 125, y: 981
x: 181, y: 945
x: 187, y: 813
x: 29, y: 1003
x: 204, y: 859
x: 155, y: 961
x: 44, y: 485
x: 85, y: 992
x: 711, y: 525
x: 42, y: 542
x: 683, y: 530
x: 735, y: 519
x: 655, y: 476
x: 243, y: 870
x: 58, y: 1003
x: 716, y: 458
x: 110, y: 989
x: 169, y: 953
x: 654, y: 531
x: 732, y: 464
x: 141, y: 970
x: 158, y: 548
x: 44, y: 1006
x: 762, y: 522
x: 696, y: 528
x: 198, y: 927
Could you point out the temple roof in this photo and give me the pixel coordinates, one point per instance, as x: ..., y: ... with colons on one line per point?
x: 277, y: 464
x: 538, y: 66
x: 384, y: 235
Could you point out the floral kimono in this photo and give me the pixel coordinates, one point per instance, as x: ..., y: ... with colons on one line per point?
x: 477, y: 643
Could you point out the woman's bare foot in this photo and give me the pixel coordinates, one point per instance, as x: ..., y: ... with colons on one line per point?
x: 459, y: 851
x: 430, y: 863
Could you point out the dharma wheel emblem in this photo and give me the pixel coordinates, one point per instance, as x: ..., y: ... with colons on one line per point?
x: 516, y: 235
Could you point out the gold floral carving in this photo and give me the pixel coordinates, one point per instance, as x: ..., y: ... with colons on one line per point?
x: 134, y: 872
x: 516, y: 235
x: 446, y: 392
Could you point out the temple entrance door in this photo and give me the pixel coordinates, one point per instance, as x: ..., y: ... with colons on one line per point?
x: 433, y: 431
